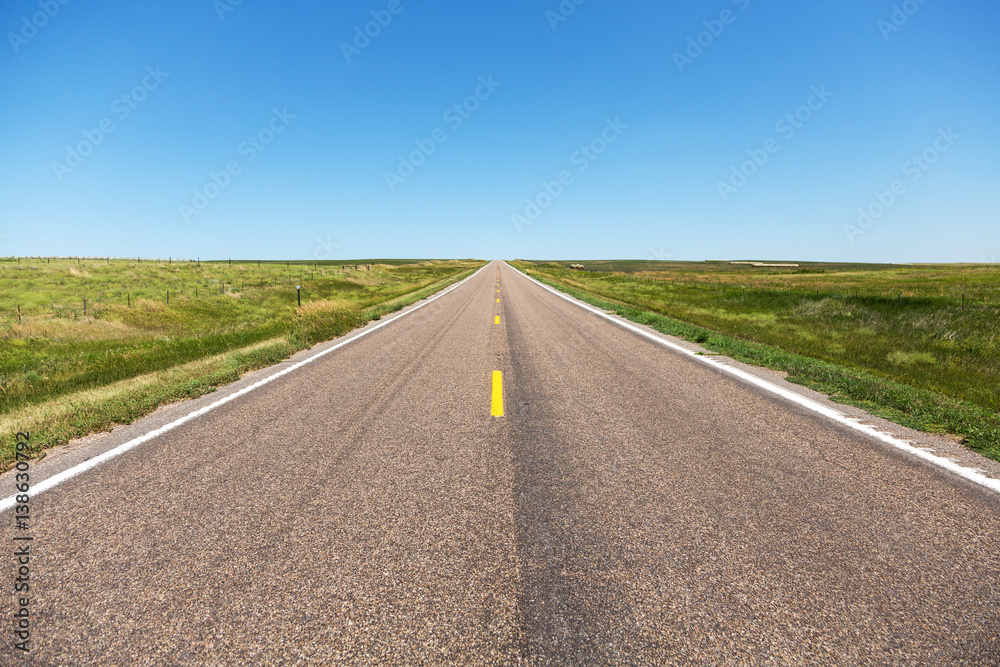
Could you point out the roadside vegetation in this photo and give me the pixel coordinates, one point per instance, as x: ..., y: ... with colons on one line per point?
x: 86, y: 344
x: 917, y: 344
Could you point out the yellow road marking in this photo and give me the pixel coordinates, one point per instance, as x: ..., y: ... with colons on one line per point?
x: 497, y: 404
x: 498, y: 300
x: 497, y: 320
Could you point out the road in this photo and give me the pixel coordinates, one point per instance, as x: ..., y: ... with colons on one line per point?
x: 630, y: 506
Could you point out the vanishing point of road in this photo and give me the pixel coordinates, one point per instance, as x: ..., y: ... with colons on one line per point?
x: 501, y: 477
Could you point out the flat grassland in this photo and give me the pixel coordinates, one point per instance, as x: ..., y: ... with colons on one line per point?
x: 918, y: 344
x: 89, y: 343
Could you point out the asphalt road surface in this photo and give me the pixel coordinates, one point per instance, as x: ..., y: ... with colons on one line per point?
x: 630, y: 506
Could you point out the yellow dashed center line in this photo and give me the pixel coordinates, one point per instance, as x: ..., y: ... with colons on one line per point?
x: 496, y: 408
x: 496, y: 404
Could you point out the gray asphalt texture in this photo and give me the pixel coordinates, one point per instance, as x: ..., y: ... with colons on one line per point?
x: 632, y: 507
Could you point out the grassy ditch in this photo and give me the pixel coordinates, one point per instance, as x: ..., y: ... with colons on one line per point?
x: 65, y: 373
x: 895, y: 341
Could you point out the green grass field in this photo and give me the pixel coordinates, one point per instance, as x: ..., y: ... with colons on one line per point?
x: 915, y: 343
x: 155, y: 331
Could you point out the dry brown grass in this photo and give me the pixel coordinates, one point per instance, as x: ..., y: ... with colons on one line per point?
x: 61, y: 329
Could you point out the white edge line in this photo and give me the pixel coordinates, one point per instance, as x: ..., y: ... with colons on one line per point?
x: 809, y: 404
x: 69, y: 473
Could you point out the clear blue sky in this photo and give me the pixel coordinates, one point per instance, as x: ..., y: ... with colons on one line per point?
x: 664, y: 187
